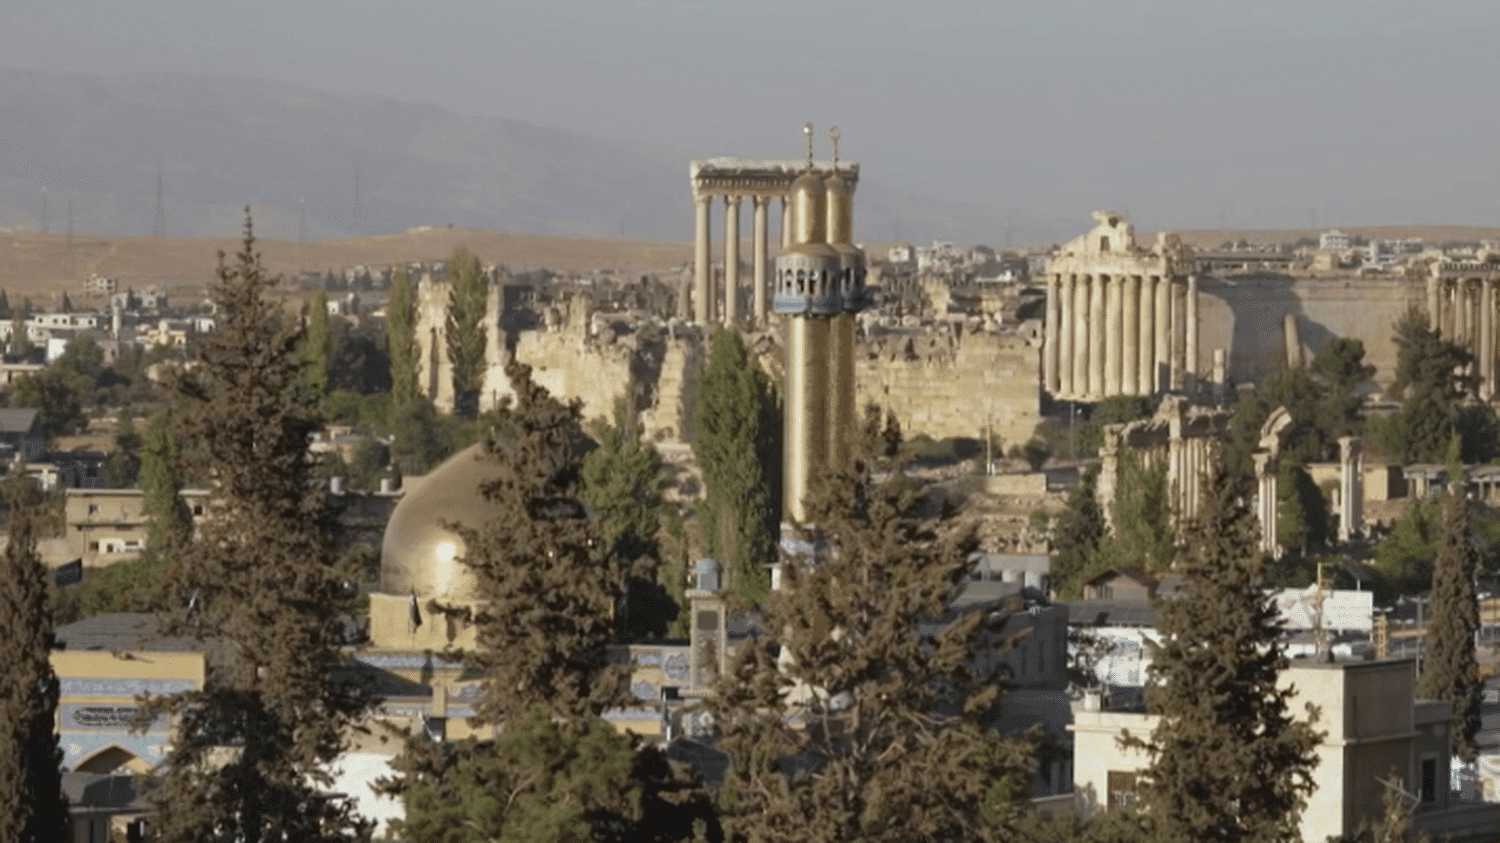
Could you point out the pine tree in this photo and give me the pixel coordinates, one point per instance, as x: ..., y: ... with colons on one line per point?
x: 30, y: 760
x: 66, y: 305
x: 549, y: 584
x: 1228, y: 760
x: 846, y: 721
x: 1142, y: 536
x: 254, y: 747
x: 1450, y: 668
x: 736, y: 442
x: 20, y: 344
x: 401, y: 339
x: 467, y: 300
x: 4, y: 305
x: 1433, y: 382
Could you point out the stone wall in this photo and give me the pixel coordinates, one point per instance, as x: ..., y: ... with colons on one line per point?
x: 946, y: 382
x: 1245, y: 316
x: 572, y: 363
x: 434, y: 370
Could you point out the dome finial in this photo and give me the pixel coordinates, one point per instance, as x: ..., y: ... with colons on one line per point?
x: 833, y: 136
x: 807, y: 130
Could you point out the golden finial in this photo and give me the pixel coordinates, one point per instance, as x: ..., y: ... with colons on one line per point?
x: 807, y: 130
x: 833, y: 136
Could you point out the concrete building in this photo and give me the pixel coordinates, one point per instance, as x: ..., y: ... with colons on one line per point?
x: 1374, y: 728
x: 1120, y: 319
x: 105, y: 526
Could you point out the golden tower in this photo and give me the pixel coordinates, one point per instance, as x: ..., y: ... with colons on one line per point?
x: 819, y: 285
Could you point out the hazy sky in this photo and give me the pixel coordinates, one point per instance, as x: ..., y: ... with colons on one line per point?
x: 1259, y: 113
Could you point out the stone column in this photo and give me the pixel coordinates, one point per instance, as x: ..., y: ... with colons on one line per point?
x: 1177, y: 336
x: 1190, y: 364
x: 702, y: 271
x: 786, y: 224
x: 1433, y: 308
x: 1113, y: 328
x: 1065, y: 318
x: 732, y: 260
x: 761, y: 259
x: 1050, y: 336
x: 1130, y: 351
x: 1351, y: 487
x: 1265, y: 504
x: 1486, y: 352
x: 1147, y: 330
x: 1081, y: 332
x: 1098, y: 317
x: 1461, y: 312
x: 1162, y: 376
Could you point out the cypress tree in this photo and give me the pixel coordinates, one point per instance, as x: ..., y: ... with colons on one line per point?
x: 467, y: 299
x: 846, y: 721
x: 254, y: 748
x: 30, y: 761
x: 169, y: 523
x: 1143, y: 536
x: 401, y: 339
x: 317, y: 345
x: 4, y: 305
x: 736, y: 442
x: 1076, y: 536
x: 1228, y: 761
x: 1450, y: 668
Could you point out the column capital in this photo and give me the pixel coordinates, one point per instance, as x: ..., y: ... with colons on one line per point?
x: 733, y: 200
x: 761, y: 200
x: 704, y: 198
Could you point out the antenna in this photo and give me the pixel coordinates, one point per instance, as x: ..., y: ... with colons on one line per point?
x: 159, y: 229
x: 807, y: 130
x: 833, y: 137
x: 356, y: 194
x: 68, y: 245
x: 44, y: 210
x: 302, y: 222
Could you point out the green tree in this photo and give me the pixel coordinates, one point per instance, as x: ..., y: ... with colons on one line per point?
x: 1228, y: 760
x: 1404, y: 558
x: 1450, y: 667
x: 549, y: 585
x: 1076, y: 534
x: 1434, y: 383
x: 20, y: 343
x: 467, y: 298
x: 4, y: 305
x: 317, y: 345
x: 1142, y: 535
x: 263, y: 579
x: 1301, y: 511
x: 843, y: 717
x: 30, y: 760
x: 401, y: 339
x: 736, y: 441
x: 66, y: 305
x: 169, y: 524
x: 1118, y: 409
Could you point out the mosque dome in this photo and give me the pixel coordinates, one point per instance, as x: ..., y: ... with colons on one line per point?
x: 418, y: 553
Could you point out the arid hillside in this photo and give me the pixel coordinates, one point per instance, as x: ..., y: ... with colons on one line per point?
x: 41, y: 265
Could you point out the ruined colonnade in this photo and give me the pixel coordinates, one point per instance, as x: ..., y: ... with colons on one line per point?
x: 1123, y: 334
x: 735, y: 180
x: 1462, y: 303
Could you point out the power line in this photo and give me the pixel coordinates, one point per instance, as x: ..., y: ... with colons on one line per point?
x: 159, y: 229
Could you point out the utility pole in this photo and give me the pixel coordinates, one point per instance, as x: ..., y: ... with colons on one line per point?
x: 68, y: 245
x: 302, y: 221
x: 159, y: 229
x: 44, y: 210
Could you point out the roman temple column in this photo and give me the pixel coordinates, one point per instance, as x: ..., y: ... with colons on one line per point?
x: 1460, y: 312
x: 1164, y: 328
x: 1081, y: 331
x: 1098, y: 318
x: 1178, y: 318
x: 1486, y: 353
x: 786, y: 224
x: 1147, y: 338
x: 1067, y: 315
x: 1190, y: 365
x: 1050, y: 335
x: 1113, y: 286
x: 1433, y: 308
x: 760, y: 259
x: 1351, y: 487
x: 1265, y: 504
x: 702, y: 297
x: 732, y: 260
x: 1130, y: 352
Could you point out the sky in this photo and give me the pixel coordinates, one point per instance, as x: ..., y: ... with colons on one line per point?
x: 1181, y: 113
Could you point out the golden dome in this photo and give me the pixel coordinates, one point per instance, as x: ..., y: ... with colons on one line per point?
x: 418, y: 553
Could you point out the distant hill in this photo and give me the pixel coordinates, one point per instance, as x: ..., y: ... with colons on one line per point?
x: 222, y: 142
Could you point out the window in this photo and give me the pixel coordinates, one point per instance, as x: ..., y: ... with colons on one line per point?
x: 93, y: 509
x: 1120, y: 785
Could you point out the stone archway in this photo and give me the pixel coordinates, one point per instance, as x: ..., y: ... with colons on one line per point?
x: 112, y: 758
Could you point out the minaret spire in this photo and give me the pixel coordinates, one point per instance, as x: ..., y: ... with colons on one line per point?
x: 833, y: 137
x: 807, y: 130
